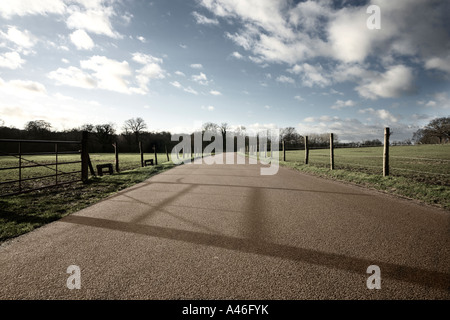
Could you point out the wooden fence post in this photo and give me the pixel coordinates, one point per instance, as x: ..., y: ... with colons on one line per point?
x: 84, y: 157
x: 284, y: 150
x: 331, y: 151
x: 306, y: 150
x: 156, y: 157
x: 142, y: 153
x: 167, y: 153
x: 386, y: 153
x: 116, y: 154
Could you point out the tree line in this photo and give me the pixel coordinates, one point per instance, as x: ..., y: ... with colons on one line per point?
x: 134, y: 135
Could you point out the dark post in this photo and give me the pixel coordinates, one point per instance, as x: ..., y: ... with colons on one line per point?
x: 91, y: 168
x: 284, y: 150
x: 84, y: 157
x: 386, y: 153
x: 20, y: 166
x: 116, y: 154
x: 167, y: 153
x: 156, y: 157
x: 56, y: 163
x: 306, y: 150
x: 142, y: 153
x: 331, y: 151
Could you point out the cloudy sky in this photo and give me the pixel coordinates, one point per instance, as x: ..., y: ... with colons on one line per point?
x: 312, y: 65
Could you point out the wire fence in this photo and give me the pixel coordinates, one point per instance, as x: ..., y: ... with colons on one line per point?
x: 424, y: 163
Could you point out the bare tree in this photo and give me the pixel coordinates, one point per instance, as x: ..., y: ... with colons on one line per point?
x: 436, y: 131
x: 224, y: 127
x: 87, y: 127
x: 290, y: 135
x: 38, y: 126
x: 105, y: 134
x: 210, y: 126
x: 135, y: 126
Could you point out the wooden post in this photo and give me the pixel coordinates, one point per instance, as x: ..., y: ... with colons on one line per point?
x: 84, y: 157
x: 91, y: 168
x: 142, y: 153
x: 20, y: 166
x: 167, y: 153
x: 306, y: 150
x: 284, y: 150
x: 331, y: 151
x: 386, y: 153
x: 56, y: 164
x: 116, y: 154
x: 156, y: 157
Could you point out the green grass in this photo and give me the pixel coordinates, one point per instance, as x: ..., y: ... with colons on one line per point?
x: 24, y: 212
x: 416, y: 172
x: 126, y: 162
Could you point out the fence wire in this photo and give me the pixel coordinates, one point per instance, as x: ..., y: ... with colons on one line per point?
x: 405, y: 161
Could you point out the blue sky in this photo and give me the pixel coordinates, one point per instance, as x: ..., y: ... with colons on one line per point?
x: 312, y: 65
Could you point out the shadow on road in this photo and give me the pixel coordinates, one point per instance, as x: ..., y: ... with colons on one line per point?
x: 419, y: 276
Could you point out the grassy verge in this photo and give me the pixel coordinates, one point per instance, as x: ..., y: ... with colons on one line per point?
x: 436, y: 195
x: 22, y: 213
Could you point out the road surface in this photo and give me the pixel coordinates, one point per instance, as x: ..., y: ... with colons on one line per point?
x: 227, y: 232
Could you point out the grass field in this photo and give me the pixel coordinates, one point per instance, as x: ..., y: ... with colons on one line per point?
x: 424, y: 163
x: 416, y: 172
x: 126, y: 162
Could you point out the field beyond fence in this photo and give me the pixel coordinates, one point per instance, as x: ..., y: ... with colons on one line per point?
x: 423, y: 163
x: 128, y: 161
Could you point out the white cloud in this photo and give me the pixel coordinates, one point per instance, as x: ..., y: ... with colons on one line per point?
x: 441, y: 100
x: 81, y: 40
x: 285, y: 79
x: 201, y: 19
x: 74, y: 77
x: 179, y: 73
x: 237, y: 55
x: 8, y: 9
x: 103, y: 73
x: 108, y: 73
x: 151, y: 70
x: 190, y: 90
x: 299, y: 98
x: 438, y: 63
x: 310, y: 75
x: 178, y: 85
x: 209, y: 108
x: 142, y: 39
x: 11, y: 60
x: 196, y: 66
x: 430, y: 103
x: 340, y: 104
x: 215, y: 93
x: 381, y: 114
x: 22, y: 88
x: 143, y: 58
x: 95, y: 18
x: 395, y: 82
x: 23, y: 39
x: 200, y: 78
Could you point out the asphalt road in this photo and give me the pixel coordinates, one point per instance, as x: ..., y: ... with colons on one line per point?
x: 227, y: 232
